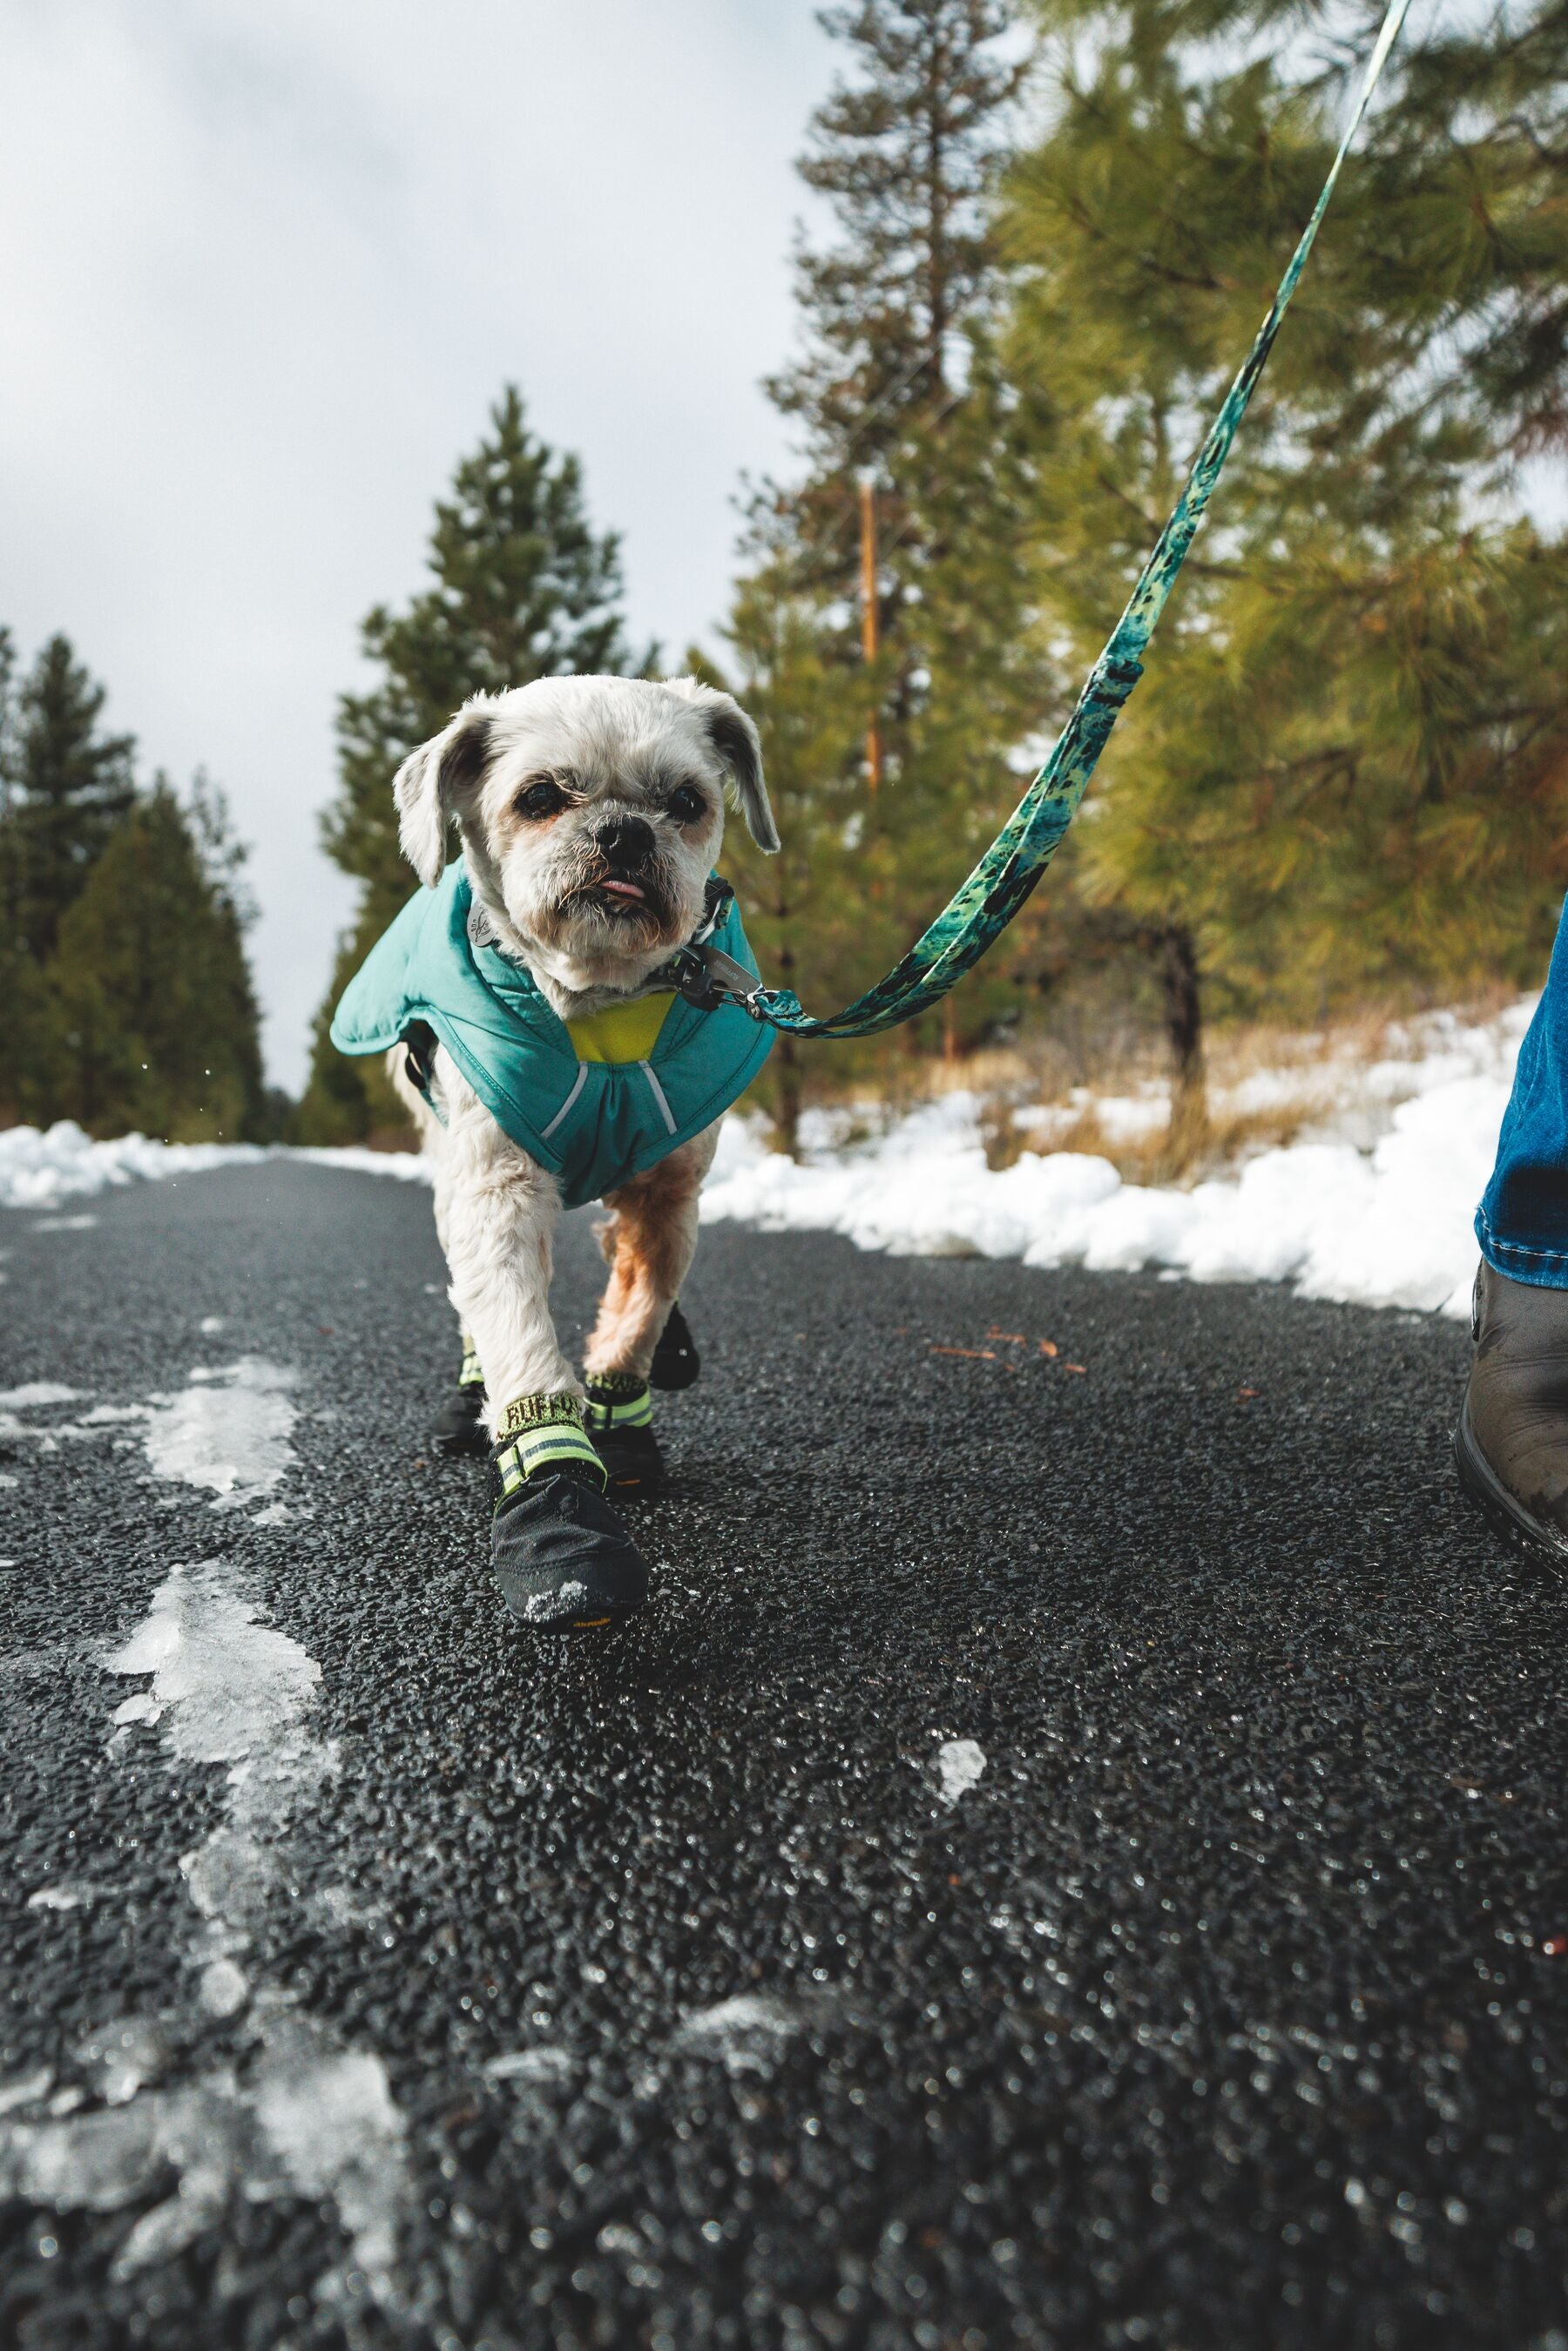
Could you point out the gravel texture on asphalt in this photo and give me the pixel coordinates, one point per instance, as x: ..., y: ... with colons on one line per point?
x: 1072, y: 1857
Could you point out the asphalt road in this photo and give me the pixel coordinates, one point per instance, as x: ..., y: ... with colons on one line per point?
x: 1072, y: 1856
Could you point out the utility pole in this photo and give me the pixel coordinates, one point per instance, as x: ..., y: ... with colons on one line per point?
x: 869, y: 616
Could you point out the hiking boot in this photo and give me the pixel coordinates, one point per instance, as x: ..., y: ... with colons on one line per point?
x: 1511, y: 1443
x: 564, y: 1562
x: 619, y: 1417
x: 459, y: 1426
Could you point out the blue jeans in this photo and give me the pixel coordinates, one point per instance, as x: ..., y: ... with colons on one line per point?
x: 1523, y: 1221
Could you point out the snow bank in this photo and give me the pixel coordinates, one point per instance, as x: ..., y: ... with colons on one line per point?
x: 1384, y: 1223
x: 41, y: 1168
x: 1373, y: 1204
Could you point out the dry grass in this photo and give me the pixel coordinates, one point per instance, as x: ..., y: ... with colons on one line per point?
x: 1147, y: 1158
x: 1044, y: 1075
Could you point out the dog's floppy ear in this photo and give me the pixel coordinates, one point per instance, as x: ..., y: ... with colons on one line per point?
x: 427, y: 785
x: 735, y: 741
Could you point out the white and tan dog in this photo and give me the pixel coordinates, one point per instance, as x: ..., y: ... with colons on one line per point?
x: 590, y: 812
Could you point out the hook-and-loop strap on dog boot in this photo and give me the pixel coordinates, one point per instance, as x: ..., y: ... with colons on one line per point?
x: 562, y: 1558
x: 1511, y: 1443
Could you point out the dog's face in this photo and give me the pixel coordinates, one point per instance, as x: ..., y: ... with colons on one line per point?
x: 592, y: 810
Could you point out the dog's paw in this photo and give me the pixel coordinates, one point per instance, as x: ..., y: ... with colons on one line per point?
x: 459, y: 1426
x: 634, y: 1464
x: 564, y: 1562
x: 675, y: 1359
x: 618, y: 1417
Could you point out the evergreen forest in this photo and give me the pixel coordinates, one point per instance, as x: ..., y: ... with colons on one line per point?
x: 1040, y: 239
x: 122, y: 963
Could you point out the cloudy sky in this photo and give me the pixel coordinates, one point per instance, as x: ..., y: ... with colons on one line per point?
x: 265, y: 263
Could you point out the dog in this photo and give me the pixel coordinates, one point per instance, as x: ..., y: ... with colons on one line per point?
x: 590, y: 812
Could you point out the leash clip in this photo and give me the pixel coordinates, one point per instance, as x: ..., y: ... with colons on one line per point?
x: 708, y: 979
x: 703, y: 974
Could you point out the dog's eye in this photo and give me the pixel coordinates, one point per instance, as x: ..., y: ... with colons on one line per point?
x: 687, y: 804
x: 544, y: 797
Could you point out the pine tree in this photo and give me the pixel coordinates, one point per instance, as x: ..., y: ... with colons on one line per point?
x: 809, y: 932
x: 906, y: 150
x: 895, y: 380
x: 154, y: 1007
x: 1345, y: 766
x: 27, y: 1009
x: 67, y: 786
x: 522, y: 588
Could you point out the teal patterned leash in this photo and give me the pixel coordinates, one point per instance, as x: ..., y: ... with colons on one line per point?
x: 986, y: 904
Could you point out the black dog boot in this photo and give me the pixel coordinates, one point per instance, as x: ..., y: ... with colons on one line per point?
x: 564, y: 1562
x: 459, y: 1426
x: 1511, y: 1443
x: 675, y: 1362
x: 619, y: 1417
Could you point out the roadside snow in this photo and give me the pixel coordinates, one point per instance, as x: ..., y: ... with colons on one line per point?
x: 39, y: 1168
x: 1373, y: 1204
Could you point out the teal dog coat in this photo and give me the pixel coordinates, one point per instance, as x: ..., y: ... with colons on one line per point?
x: 595, y: 1101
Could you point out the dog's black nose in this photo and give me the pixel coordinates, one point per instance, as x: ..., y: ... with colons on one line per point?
x: 624, y: 840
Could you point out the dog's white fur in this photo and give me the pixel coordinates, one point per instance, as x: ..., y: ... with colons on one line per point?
x: 538, y: 780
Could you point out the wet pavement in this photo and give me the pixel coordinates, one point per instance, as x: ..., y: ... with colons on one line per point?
x: 1072, y: 1856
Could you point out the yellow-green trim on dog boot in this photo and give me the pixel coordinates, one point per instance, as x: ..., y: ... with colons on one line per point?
x: 564, y: 1562
x: 619, y: 1417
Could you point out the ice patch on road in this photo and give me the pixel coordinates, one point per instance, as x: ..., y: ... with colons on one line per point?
x: 959, y: 1763
x: 25, y: 2089
x: 37, y: 1391
x: 301, y: 2116
x: 228, y: 1688
x: 229, y: 1431
x: 746, y: 2034
x: 309, y: 2120
x: 548, y: 2064
x: 235, y: 1689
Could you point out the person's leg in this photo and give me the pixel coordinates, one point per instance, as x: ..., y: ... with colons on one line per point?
x: 1511, y: 1443
x: 1523, y: 1221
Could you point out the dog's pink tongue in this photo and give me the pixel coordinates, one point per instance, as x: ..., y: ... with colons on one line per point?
x: 623, y: 889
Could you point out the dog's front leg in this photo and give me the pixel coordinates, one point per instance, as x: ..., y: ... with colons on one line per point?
x: 497, y: 1211
x: 650, y: 1239
x: 560, y: 1554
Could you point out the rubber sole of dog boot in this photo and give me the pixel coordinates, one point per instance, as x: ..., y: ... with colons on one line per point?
x: 634, y: 1464
x: 1504, y: 1512
x: 677, y: 1362
x: 564, y: 1562
x: 459, y: 1426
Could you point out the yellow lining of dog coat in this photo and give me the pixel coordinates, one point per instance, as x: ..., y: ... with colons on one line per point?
x: 622, y: 1032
